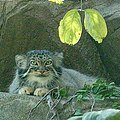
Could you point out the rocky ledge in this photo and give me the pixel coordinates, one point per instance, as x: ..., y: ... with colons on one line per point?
x: 18, y: 107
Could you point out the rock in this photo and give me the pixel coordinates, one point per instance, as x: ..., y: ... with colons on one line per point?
x: 35, y: 26
x: 107, y: 114
x: 17, y: 107
x: 109, y: 50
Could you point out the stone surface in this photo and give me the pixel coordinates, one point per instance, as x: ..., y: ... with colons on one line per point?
x: 18, y: 107
x: 109, y: 50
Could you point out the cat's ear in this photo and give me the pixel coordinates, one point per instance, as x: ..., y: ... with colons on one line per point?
x: 21, y: 61
x: 58, y: 59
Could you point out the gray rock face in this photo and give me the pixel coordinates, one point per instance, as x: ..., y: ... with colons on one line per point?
x: 16, y: 107
x: 109, y: 50
x: 36, y: 27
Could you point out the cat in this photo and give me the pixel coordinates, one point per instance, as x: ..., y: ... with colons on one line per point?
x: 38, y: 71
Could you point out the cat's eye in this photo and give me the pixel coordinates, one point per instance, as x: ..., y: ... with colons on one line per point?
x: 33, y: 62
x: 48, y: 62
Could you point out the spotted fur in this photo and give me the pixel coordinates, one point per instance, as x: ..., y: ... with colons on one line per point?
x: 36, y: 69
x: 43, y: 69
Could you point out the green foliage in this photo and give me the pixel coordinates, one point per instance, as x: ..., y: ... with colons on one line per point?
x: 116, y: 105
x: 70, y: 28
x: 100, y: 90
x: 61, y: 92
x: 106, y: 90
x: 78, y: 112
x: 95, y: 25
x: 64, y: 92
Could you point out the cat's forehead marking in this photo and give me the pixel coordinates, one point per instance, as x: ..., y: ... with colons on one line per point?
x: 39, y: 54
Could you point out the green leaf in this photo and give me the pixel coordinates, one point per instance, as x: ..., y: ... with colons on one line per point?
x: 116, y: 105
x: 95, y: 25
x: 78, y: 112
x: 79, y: 97
x: 64, y: 92
x: 70, y: 28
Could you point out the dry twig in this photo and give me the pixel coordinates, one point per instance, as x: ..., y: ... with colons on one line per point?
x: 70, y: 99
x: 52, y: 110
x: 50, y: 103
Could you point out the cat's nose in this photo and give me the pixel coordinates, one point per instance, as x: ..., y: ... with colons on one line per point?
x: 42, y: 71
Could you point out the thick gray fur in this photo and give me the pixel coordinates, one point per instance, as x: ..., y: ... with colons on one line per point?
x: 69, y: 78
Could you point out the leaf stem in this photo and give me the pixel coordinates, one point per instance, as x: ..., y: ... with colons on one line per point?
x: 81, y: 9
x: 81, y: 5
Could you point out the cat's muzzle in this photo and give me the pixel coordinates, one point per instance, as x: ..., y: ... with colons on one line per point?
x: 39, y: 72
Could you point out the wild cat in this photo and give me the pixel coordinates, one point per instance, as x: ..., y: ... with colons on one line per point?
x: 38, y: 71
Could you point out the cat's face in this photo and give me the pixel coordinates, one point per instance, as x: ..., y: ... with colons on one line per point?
x: 39, y: 63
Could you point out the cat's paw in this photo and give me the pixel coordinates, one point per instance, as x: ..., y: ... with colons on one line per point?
x: 40, y: 91
x: 26, y: 90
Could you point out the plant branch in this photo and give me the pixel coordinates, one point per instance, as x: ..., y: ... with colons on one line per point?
x: 81, y: 5
x: 70, y: 99
x: 93, y: 101
x: 52, y: 108
x: 41, y: 101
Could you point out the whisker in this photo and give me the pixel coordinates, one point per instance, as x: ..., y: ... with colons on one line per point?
x: 56, y: 73
x: 25, y: 74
